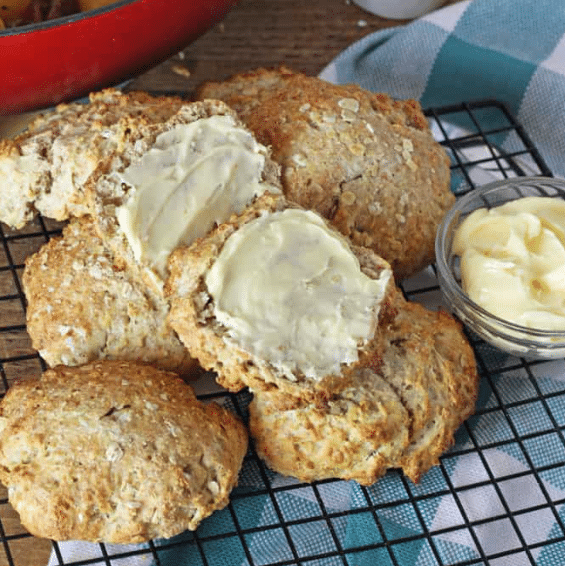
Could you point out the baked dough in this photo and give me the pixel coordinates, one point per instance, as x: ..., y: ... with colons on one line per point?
x: 427, y: 371
x: 363, y: 160
x: 193, y: 314
x: 115, y: 452
x: 44, y: 169
x: 82, y: 306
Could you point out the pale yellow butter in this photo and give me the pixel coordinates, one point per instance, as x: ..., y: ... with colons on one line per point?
x: 291, y: 291
x: 513, y: 261
x: 195, y: 176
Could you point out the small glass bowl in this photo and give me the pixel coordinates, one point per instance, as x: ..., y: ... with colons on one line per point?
x: 512, y: 338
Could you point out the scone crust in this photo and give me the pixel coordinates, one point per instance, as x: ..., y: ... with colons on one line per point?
x: 115, y: 452
x: 81, y: 306
x: 430, y: 368
x: 44, y: 169
x: 363, y: 160
x: 192, y: 314
x: 434, y: 341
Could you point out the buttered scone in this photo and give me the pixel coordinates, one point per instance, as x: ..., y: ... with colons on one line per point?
x: 82, y: 307
x: 44, y: 169
x: 115, y: 452
x: 427, y: 371
x: 278, y: 298
x: 176, y: 182
x: 365, y: 161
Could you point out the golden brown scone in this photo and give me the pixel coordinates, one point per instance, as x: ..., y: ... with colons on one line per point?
x: 82, y: 307
x: 233, y: 351
x: 115, y: 452
x: 363, y: 160
x: 427, y: 363
x: 357, y: 434
x: 201, y: 199
x: 44, y: 169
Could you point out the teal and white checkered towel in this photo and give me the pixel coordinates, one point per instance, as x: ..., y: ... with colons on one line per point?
x: 510, y: 494
x: 509, y: 50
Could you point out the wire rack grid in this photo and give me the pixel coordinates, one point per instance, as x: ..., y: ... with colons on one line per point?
x: 496, y: 498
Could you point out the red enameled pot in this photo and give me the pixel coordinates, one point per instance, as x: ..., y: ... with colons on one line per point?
x: 63, y: 59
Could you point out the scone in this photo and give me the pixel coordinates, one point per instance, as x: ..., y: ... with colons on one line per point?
x: 357, y: 434
x: 115, y: 452
x: 44, y: 169
x: 435, y: 341
x: 365, y: 161
x: 82, y: 307
x: 177, y: 181
x: 427, y: 363
x: 277, y: 298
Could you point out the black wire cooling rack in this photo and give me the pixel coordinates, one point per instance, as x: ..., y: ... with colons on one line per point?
x: 496, y: 498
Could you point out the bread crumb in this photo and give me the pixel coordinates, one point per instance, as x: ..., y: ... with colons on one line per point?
x: 357, y: 149
x: 299, y: 160
x: 181, y: 70
x: 348, y: 198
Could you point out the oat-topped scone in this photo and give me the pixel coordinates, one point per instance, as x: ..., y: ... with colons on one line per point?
x: 45, y: 168
x: 115, y: 452
x: 278, y: 298
x: 82, y: 306
x: 363, y: 160
x: 176, y: 182
x: 358, y: 433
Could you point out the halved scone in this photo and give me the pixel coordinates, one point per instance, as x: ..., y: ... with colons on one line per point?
x: 178, y: 180
x: 276, y: 298
x: 45, y: 168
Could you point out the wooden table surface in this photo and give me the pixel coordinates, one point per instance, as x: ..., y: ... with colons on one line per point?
x: 303, y: 34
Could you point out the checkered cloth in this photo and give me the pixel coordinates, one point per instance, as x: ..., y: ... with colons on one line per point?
x: 509, y: 50
x: 512, y: 51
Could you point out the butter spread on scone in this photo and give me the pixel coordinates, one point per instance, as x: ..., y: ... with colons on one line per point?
x: 194, y: 176
x: 282, y: 361
x: 290, y: 290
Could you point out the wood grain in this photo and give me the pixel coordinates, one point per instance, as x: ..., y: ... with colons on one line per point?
x: 304, y: 34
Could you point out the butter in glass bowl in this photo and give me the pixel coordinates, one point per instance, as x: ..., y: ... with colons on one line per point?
x: 500, y: 254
